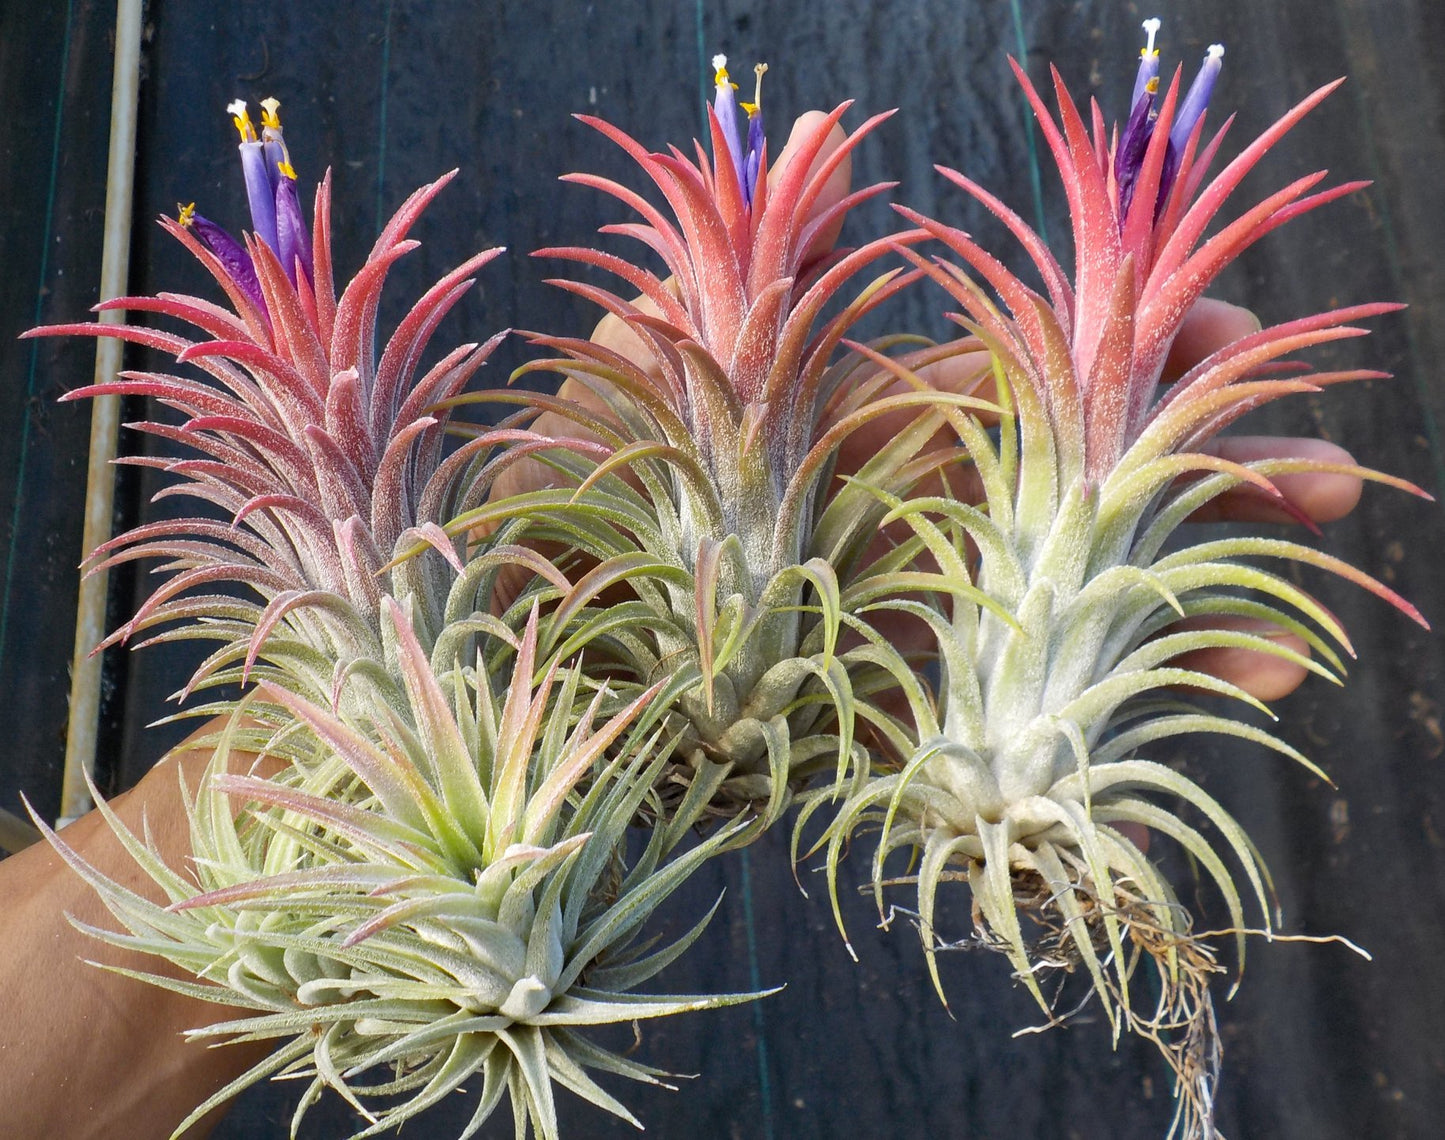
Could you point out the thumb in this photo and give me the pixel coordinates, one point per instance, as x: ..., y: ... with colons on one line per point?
x: 834, y: 190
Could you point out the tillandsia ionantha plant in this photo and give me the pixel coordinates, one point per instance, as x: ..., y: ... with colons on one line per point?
x: 431, y: 901
x: 429, y: 880
x: 1029, y: 777
x: 727, y: 415
x: 327, y: 454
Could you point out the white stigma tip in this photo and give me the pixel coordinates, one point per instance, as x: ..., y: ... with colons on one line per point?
x: 236, y: 107
x: 1216, y: 51
x: 719, y: 62
x: 1151, y: 29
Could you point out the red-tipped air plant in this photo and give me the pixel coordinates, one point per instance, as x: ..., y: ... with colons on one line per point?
x: 440, y: 880
x: 729, y: 417
x: 437, y: 883
x: 323, y: 455
x: 1029, y: 776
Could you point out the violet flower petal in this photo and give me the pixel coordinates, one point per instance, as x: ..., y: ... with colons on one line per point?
x: 1148, y: 62
x: 752, y: 162
x: 725, y: 107
x: 294, y: 236
x: 1191, y: 110
x: 278, y: 159
x: 230, y: 253
x: 1133, y: 144
x: 753, y: 158
x: 260, y: 194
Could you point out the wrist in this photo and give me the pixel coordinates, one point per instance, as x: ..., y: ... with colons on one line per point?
x: 84, y: 1051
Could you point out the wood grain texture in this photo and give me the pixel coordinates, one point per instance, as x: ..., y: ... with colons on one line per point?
x: 393, y: 92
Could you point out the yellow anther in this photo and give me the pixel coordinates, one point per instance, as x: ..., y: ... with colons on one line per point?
x: 1152, y: 86
x: 720, y: 72
x: 285, y: 167
x: 242, y: 118
x: 270, y: 120
x: 1151, y: 29
x: 187, y: 214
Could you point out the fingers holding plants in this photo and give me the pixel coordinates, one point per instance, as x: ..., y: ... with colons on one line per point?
x: 1320, y: 496
x: 835, y: 189
x: 1263, y: 675
x: 1212, y: 324
x: 966, y: 372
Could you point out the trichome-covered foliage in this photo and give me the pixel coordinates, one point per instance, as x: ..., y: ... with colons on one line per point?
x: 426, y: 877
x: 680, y: 611
x: 716, y: 506
x: 1029, y: 773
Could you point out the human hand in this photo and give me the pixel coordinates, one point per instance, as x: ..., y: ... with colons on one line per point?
x: 88, y: 1053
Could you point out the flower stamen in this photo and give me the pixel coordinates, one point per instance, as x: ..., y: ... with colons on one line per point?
x: 277, y: 156
x: 1139, y: 129
x: 753, y: 156
x: 242, y: 118
x: 1148, y: 63
x: 753, y: 108
x: 725, y: 107
x: 744, y: 145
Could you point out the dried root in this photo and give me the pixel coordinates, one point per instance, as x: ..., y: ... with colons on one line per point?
x: 1181, y: 1022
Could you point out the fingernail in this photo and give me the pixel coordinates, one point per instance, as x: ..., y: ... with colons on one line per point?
x: 1249, y: 314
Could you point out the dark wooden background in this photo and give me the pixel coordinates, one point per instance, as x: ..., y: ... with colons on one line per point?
x: 393, y: 92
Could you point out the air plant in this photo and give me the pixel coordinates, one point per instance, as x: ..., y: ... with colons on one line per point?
x: 437, y: 883
x: 417, y: 905
x: 437, y: 887
x: 324, y: 455
x: 1030, y: 777
x: 732, y: 541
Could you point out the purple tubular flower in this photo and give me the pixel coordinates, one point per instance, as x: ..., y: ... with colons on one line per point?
x: 725, y: 107
x: 275, y: 151
x: 229, y: 252
x: 751, y: 163
x: 293, y: 235
x: 260, y: 179
x: 752, y: 159
x: 1191, y: 110
x: 278, y: 159
x: 1134, y: 142
x: 271, y: 191
x: 1148, y: 63
x: 1129, y: 155
x: 260, y: 194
